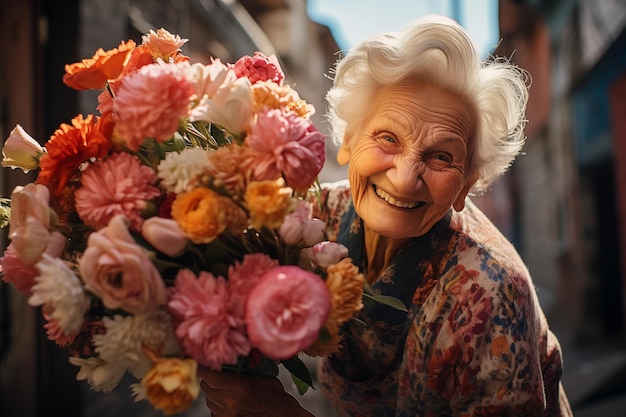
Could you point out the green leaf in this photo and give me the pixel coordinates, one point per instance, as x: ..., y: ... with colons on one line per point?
x: 299, y: 374
x: 386, y: 300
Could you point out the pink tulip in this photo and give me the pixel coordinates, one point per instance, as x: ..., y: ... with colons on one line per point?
x: 164, y: 235
x: 21, y: 151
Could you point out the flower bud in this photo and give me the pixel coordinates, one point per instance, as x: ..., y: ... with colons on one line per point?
x: 327, y: 253
x: 165, y: 235
x: 314, y: 232
x: 21, y: 151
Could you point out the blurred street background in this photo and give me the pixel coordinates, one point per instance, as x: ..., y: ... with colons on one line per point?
x: 562, y: 204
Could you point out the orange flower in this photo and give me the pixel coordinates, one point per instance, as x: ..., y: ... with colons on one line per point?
x: 163, y: 44
x: 345, y: 284
x: 68, y: 147
x: 268, y: 94
x: 268, y: 202
x: 199, y: 214
x: 92, y: 74
x: 228, y: 168
x: 172, y: 385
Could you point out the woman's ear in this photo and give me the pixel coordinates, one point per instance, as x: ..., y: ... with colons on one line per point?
x: 343, y: 155
x: 345, y: 150
x: 459, y: 203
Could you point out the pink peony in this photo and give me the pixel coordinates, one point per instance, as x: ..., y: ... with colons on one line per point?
x: 119, y: 271
x: 150, y: 102
x: 206, y: 330
x: 15, y: 271
x: 119, y: 184
x: 284, y: 143
x: 243, y: 277
x: 286, y: 310
x: 259, y: 68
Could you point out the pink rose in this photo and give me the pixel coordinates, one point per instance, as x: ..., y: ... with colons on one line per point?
x: 244, y: 276
x: 31, y: 220
x: 325, y: 254
x: 119, y: 271
x: 164, y: 235
x: 259, y: 68
x: 286, y: 311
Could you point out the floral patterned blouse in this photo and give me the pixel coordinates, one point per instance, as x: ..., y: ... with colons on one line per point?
x: 475, y: 341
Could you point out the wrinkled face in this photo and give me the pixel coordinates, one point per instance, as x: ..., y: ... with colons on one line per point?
x: 408, y: 161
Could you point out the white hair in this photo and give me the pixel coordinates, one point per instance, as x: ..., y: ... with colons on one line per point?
x: 439, y: 51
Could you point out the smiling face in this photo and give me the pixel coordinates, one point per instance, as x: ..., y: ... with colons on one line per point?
x: 408, y: 160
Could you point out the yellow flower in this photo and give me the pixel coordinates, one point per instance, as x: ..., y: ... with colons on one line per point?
x: 171, y: 385
x: 271, y: 95
x: 345, y: 284
x: 200, y: 215
x: 268, y: 202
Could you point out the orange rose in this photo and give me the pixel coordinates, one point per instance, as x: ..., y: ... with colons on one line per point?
x: 268, y: 202
x: 172, y: 385
x: 200, y: 215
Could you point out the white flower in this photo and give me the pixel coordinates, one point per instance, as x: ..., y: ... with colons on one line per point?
x: 177, y: 170
x: 58, y: 288
x: 21, y: 150
x: 230, y: 107
x: 101, y: 375
x: 207, y: 79
x: 126, y: 337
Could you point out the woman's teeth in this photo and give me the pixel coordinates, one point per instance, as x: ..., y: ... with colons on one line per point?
x: 389, y: 199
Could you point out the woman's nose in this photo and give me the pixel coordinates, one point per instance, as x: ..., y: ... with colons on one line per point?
x: 406, y: 175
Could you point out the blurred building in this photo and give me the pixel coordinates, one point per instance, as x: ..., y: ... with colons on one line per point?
x: 38, y: 37
x: 564, y: 201
x: 567, y: 191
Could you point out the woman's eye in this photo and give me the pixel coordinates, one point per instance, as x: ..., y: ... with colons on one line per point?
x: 387, y: 138
x: 440, y: 159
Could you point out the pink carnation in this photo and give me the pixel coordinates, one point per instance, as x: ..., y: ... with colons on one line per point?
x: 243, y: 277
x: 286, y: 311
x: 206, y: 330
x: 150, y: 102
x: 284, y: 143
x: 119, y: 184
x: 54, y: 332
x: 259, y: 67
x: 15, y: 271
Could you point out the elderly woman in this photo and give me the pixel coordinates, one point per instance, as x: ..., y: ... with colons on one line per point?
x: 423, y: 123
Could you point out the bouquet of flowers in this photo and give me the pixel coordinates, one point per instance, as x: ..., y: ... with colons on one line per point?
x: 174, y: 229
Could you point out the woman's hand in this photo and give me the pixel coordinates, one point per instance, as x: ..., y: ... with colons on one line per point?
x: 230, y: 394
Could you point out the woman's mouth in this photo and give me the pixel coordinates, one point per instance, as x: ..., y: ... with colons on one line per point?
x: 397, y: 203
